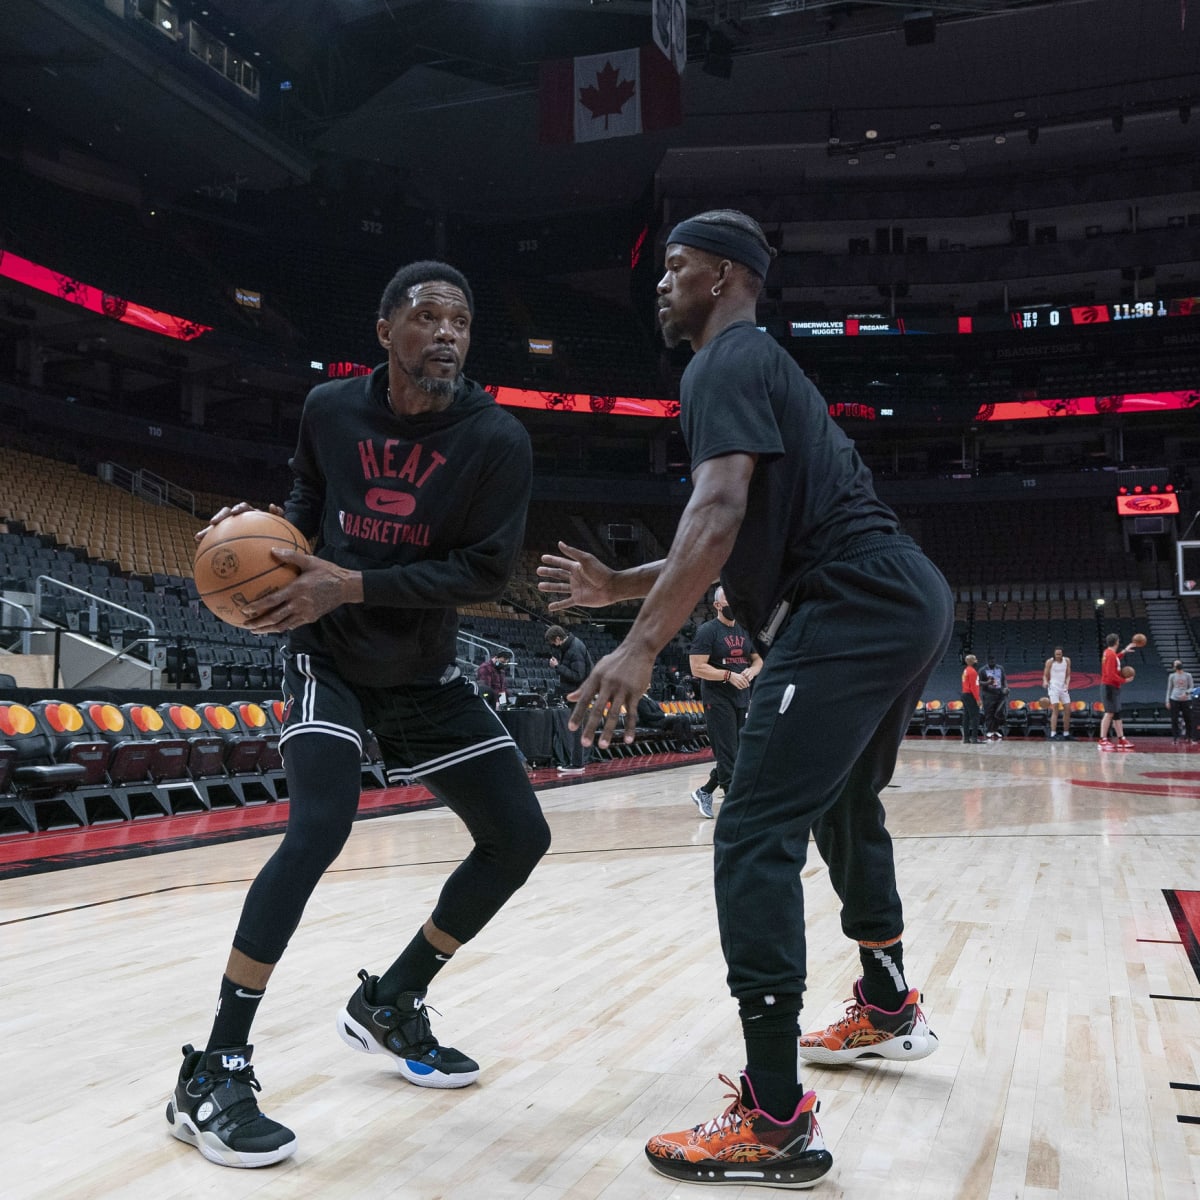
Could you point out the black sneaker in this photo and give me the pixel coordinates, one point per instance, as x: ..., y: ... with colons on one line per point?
x: 214, y: 1109
x: 401, y: 1031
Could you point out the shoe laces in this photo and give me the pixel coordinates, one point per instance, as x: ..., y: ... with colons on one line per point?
x: 855, y: 1012
x: 732, y: 1119
x: 417, y: 1030
x: 226, y: 1077
x: 245, y: 1109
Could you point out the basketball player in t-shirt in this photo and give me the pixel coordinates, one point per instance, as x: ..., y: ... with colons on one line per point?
x: 1056, y: 679
x: 851, y: 619
x: 722, y: 656
x: 415, y: 485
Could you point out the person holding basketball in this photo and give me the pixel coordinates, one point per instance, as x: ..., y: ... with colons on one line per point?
x: 1111, y: 682
x: 850, y: 619
x: 414, y: 485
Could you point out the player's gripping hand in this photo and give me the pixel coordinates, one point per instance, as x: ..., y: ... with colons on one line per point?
x: 232, y: 510
x: 320, y: 587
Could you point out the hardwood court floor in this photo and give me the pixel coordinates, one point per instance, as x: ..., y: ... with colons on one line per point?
x: 1033, y: 876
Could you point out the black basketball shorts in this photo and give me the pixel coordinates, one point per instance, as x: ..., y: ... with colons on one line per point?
x: 421, y: 728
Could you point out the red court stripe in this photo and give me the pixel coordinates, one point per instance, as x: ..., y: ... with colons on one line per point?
x: 1185, y: 910
x: 1140, y: 789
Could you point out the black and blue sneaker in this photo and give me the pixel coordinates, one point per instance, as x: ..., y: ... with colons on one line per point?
x: 401, y: 1031
x: 214, y: 1109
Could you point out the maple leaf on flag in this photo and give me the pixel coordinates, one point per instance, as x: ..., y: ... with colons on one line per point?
x: 609, y: 96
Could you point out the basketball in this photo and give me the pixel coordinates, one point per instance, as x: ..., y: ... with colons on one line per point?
x: 234, y: 565
x: 1138, y: 639
x: 1127, y: 673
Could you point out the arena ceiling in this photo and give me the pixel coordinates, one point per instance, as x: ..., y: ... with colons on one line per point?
x: 440, y: 96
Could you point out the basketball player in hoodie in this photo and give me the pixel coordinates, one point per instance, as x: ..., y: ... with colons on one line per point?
x: 413, y: 485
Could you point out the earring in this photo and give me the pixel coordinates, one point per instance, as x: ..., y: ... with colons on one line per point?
x: 716, y: 291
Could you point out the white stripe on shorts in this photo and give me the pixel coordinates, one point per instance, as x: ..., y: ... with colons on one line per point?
x: 325, y: 727
x: 463, y: 754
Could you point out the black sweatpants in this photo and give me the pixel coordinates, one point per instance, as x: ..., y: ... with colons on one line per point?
x: 442, y: 733
x: 970, y: 710
x: 723, y: 722
x: 1181, y: 715
x: 830, y: 710
x: 993, y: 712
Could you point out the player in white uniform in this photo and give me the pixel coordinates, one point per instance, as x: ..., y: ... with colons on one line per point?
x: 1056, y: 679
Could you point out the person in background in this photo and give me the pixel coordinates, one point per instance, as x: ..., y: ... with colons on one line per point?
x: 1179, y: 703
x: 994, y: 685
x: 970, y: 700
x: 571, y: 659
x: 679, y: 685
x: 492, y: 677
x: 1056, y: 679
x: 676, y: 728
x: 724, y: 659
x: 1111, y: 682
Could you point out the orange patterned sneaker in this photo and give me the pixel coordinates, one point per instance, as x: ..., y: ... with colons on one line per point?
x: 745, y: 1146
x: 869, y: 1032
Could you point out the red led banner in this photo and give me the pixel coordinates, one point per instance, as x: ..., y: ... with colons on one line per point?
x: 1089, y: 406
x: 13, y: 266
x: 584, y: 402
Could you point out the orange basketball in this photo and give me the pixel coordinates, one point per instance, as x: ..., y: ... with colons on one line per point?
x: 1138, y: 639
x: 234, y: 565
x: 1127, y: 673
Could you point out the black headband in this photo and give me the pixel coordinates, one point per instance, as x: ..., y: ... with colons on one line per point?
x: 725, y: 240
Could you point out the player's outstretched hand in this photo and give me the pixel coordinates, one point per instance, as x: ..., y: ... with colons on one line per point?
x: 232, y: 510
x: 578, y: 577
x: 617, y: 681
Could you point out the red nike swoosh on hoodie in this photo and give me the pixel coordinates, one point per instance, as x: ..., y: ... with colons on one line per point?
x: 395, y: 504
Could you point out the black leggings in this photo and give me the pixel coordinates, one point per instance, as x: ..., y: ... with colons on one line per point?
x: 492, y: 796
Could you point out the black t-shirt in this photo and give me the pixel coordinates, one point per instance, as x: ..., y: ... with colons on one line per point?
x: 811, y: 497
x: 728, y: 648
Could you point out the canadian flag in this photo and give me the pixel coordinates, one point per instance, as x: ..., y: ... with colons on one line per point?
x: 598, y: 96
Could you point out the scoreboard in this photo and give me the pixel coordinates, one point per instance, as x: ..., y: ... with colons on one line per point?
x: 1067, y: 317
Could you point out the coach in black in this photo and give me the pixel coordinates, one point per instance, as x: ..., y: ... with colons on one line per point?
x: 414, y: 485
x: 851, y: 619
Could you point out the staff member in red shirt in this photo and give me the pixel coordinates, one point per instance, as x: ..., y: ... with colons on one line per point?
x: 971, y: 700
x: 1111, y: 681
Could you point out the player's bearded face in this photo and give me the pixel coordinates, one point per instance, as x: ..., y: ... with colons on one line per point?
x: 430, y: 335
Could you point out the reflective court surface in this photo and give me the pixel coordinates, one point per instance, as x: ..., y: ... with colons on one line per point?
x: 1052, y: 899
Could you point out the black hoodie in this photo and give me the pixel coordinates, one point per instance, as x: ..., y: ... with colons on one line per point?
x: 430, y: 508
